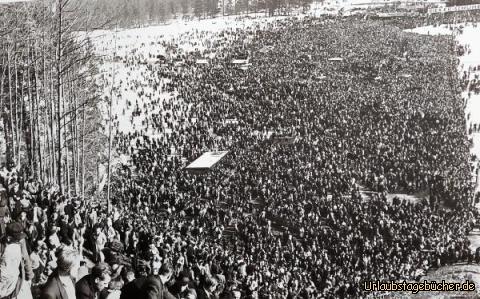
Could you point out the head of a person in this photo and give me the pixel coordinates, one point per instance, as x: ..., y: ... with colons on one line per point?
x: 130, y: 276
x: 127, y: 274
x: 53, y: 240
x: 23, y: 216
x: 210, y: 284
x: 165, y: 271
x: 101, y: 276
x: 184, y: 280
x: 143, y: 269
x: 116, y: 284
x: 191, y: 295
x: 237, y: 294
x: 68, y: 262
x: 14, y: 232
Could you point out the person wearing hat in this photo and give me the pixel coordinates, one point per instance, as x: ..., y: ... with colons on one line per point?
x: 15, y: 266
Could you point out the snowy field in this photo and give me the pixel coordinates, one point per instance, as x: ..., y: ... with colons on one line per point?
x: 142, y: 38
x: 127, y: 77
x: 145, y: 44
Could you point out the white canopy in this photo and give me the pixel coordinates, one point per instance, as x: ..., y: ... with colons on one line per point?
x: 239, y: 61
x: 206, y: 160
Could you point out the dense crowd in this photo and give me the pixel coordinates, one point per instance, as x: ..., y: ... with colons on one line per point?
x: 322, y: 109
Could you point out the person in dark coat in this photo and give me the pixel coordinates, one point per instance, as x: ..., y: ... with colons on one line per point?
x: 54, y: 288
x: 91, y: 285
x: 150, y: 287
x: 60, y: 283
x: 69, y: 209
x: 208, y: 289
x: 182, y: 286
x: 66, y: 230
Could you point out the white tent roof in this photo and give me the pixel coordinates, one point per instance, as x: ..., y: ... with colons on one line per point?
x: 239, y: 61
x: 207, y: 160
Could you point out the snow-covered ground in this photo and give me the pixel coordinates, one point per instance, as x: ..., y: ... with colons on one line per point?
x: 142, y: 38
x: 128, y: 78
x: 147, y: 42
x: 466, y: 36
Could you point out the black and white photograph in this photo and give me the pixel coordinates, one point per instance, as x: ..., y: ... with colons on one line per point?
x: 239, y: 149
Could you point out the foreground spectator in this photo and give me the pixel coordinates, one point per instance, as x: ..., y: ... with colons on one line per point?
x: 15, y: 266
x: 91, y: 285
x: 60, y: 283
x: 150, y: 287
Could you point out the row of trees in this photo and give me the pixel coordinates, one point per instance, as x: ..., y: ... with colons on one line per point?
x: 141, y: 12
x: 48, y: 95
x: 462, y: 2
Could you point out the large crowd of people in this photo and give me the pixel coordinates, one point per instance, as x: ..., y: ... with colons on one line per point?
x: 322, y: 109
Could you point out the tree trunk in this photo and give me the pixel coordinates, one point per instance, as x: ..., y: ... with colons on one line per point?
x: 83, y: 153
x: 30, y: 138
x: 40, y: 148
x: 17, y: 125
x: 52, y: 128
x: 59, y: 96
x: 75, y: 152
x: 9, y: 129
x: 65, y: 140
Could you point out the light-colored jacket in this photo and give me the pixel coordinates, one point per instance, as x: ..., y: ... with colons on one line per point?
x: 10, y: 268
x: 10, y: 263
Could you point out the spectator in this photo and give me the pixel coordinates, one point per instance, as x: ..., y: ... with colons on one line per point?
x: 15, y: 266
x: 60, y: 283
x: 90, y: 286
x: 150, y: 287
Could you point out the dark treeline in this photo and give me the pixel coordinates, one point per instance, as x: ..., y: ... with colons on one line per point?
x: 143, y: 12
x: 462, y: 2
